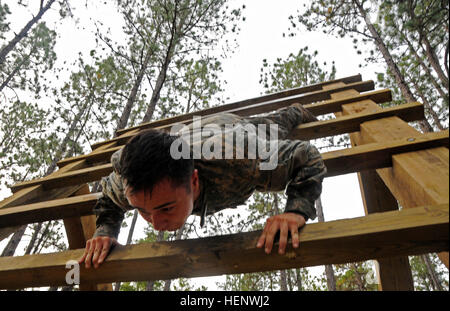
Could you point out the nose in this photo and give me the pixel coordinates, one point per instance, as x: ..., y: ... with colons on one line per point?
x: 159, y: 223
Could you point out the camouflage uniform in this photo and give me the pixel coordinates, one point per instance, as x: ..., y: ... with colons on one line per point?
x: 227, y: 183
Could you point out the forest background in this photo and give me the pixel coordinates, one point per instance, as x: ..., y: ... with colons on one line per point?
x: 74, y: 72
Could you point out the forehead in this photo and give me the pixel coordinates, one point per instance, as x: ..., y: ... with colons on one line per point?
x: 162, y: 192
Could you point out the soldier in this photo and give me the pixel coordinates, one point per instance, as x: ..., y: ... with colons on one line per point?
x: 166, y: 188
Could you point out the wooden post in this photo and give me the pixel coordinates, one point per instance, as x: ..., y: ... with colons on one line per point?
x: 392, y: 273
x: 79, y: 230
x: 416, y: 178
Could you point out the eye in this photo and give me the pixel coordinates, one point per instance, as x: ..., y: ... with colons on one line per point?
x: 167, y: 209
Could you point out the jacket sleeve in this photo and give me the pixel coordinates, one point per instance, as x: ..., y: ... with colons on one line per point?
x: 300, y: 170
x: 110, y: 209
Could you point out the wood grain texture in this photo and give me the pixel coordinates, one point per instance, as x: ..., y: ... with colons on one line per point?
x: 247, y: 102
x: 319, y: 108
x: 303, y: 99
x: 338, y: 162
x: 380, y: 235
x: 392, y: 273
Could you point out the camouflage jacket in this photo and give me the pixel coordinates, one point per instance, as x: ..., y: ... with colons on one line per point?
x: 228, y: 181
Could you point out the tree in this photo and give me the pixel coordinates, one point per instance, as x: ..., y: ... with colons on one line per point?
x: 353, y: 18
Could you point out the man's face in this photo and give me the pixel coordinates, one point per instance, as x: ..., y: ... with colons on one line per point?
x: 167, y: 207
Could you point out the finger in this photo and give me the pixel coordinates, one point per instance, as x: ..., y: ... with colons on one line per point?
x: 283, y: 237
x: 105, y: 250
x: 80, y: 261
x: 97, y: 250
x: 294, y: 233
x: 86, y: 249
x: 261, y: 240
x: 271, y: 235
x: 262, y: 237
x: 87, y: 262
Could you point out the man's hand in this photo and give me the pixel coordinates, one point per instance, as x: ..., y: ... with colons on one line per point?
x: 283, y: 223
x: 96, y: 250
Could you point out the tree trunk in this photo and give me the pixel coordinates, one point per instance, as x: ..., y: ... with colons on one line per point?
x: 432, y: 58
x: 422, y: 64
x: 176, y: 31
x: 358, y: 278
x: 129, y: 238
x: 428, y: 107
x: 329, y: 271
x: 299, y: 280
x: 151, y: 284
x: 132, y: 98
x: 11, y: 247
x: 23, y: 33
x: 33, y: 239
x: 399, y: 79
x: 435, y: 282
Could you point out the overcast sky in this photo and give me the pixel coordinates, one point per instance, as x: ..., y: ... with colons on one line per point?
x: 260, y: 38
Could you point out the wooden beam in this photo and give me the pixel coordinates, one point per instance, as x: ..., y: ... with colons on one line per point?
x: 320, y: 108
x: 338, y: 162
x: 37, y: 193
x: 393, y: 273
x: 406, y: 232
x: 304, y: 99
x: 416, y: 178
x: 75, y: 206
x: 350, y: 123
x: 79, y: 230
x: 245, y: 103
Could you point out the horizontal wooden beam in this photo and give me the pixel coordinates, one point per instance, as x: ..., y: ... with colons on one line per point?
x: 410, y: 111
x: 325, y: 107
x: 76, y: 206
x: 406, y: 232
x: 379, y: 155
x: 303, y: 99
x: 244, y: 103
x: 351, y: 123
x: 364, y: 157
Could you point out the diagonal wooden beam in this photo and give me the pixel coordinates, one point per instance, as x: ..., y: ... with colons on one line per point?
x: 303, y: 99
x: 247, y: 102
x: 319, y: 108
x: 364, y: 157
x: 351, y: 123
x: 406, y: 232
x: 94, y: 173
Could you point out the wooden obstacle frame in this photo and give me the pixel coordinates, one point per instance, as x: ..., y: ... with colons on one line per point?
x: 396, y: 165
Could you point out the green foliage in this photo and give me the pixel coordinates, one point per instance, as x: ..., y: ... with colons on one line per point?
x: 355, y: 277
x: 294, y: 71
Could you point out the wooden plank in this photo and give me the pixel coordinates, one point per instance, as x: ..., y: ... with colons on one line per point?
x: 393, y: 273
x: 71, y: 178
x: 79, y: 230
x: 244, y: 103
x: 350, y: 123
x: 76, y: 206
x: 338, y: 162
x: 92, y: 158
x: 380, y: 235
x: 417, y: 178
x: 308, y: 98
x: 320, y: 108
x: 35, y: 194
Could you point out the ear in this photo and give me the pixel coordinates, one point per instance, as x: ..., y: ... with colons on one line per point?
x: 194, y: 179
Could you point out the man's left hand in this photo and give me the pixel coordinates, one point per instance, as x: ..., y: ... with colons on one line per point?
x: 283, y: 223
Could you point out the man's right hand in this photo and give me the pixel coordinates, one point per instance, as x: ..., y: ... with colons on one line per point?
x: 96, y: 250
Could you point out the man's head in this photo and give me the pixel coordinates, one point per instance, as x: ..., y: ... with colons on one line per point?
x: 161, y: 188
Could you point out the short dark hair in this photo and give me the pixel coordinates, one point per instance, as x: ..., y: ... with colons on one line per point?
x: 146, y: 160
